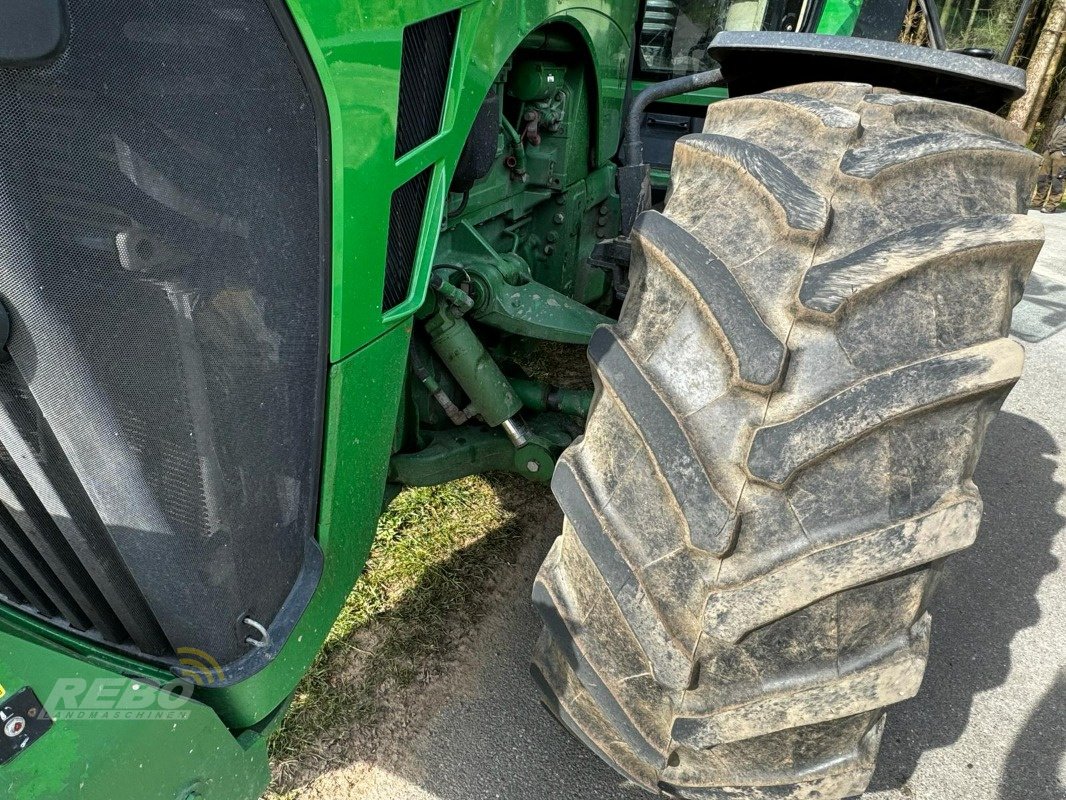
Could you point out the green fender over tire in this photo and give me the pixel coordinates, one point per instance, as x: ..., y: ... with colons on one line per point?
x: 781, y: 449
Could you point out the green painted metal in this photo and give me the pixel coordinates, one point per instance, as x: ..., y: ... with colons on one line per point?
x: 839, y: 17
x: 40, y: 633
x: 507, y: 298
x: 540, y: 396
x: 356, y: 50
x: 469, y: 362
x: 455, y: 453
x: 702, y: 97
x: 121, y: 737
x: 544, y: 213
x: 536, y: 81
x: 535, y: 310
x: 511, y: 267
x: 363, y: 399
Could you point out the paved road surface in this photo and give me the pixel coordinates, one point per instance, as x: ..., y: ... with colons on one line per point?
x: 990, y: 720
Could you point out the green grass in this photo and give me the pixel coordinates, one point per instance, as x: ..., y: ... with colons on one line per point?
x: 436, y: 553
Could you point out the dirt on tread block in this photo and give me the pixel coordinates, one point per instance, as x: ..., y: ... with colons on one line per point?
x: 780, y: 453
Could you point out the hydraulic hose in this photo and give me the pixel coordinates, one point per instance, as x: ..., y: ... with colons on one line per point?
x: 632, y: 146
x: 634, y: 186
x: 1015, y: 31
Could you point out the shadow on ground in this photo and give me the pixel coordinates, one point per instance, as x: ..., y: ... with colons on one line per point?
x: 478, y: 753
x: 988, y: 595
x: 384, y: 663
x: 1042, y: 311
x: 1031, y: 772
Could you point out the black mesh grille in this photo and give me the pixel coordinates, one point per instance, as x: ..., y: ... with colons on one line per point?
x: 424, y: 67
x: 405, y: 224
x: 63, y: 536
x: 161, y: 258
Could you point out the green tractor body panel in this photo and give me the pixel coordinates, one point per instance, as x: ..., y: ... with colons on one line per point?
x: 158, y: 746
x: 215, y: 743
x: 514, y: 255
x: 357, y: 51
x: 216, y: 746
x: 839, y: 19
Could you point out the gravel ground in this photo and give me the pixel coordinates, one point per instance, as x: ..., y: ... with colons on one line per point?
x: 988, y: 724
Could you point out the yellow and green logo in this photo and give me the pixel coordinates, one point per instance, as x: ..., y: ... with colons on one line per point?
x: 199, y: 667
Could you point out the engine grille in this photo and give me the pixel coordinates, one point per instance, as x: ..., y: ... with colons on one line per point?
x: 405, y: 224
x: 425, y: 64
x: 162, y: 241
x: 51, y: 529
x: 424, y: 67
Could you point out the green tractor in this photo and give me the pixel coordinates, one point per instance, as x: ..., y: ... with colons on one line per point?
x: 264, y: 262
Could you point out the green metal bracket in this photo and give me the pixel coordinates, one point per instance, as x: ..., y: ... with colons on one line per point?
x: 474, y: 449
x: 507, y: 298
x: 117, y: 737
x: 532, y: 309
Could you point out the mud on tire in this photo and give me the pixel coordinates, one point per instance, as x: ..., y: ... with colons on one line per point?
x: 780, y: 453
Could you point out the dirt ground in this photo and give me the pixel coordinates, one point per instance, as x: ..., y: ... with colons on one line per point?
x: 988, y: 724
x: 357, y: 749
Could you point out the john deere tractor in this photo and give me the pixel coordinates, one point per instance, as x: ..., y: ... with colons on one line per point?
x: 264, y: 262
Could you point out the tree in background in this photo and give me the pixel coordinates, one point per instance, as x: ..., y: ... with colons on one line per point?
x: 1044, y: 78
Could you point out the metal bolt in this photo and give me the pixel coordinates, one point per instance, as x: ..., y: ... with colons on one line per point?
x: 548, y: 249
x: 604, y: 210
x: 533, y: 466
x: 558, y: 219
x: 14, y: 727
x: 552, y: 236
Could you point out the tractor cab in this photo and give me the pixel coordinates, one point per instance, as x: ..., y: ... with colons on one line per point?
x: 675, y: 38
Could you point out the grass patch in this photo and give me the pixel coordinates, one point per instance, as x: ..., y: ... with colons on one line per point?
x: 565, y: 365
x: 436, y: 552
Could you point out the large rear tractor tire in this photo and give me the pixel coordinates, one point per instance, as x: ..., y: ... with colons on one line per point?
x: 781, y: 449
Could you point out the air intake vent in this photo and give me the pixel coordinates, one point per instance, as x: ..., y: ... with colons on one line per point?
x: 164, y: 269
x: 52, y: 541
x: 424, y: 67
x: 405, y: 223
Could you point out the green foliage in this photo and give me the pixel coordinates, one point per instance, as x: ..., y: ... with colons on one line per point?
x: 978, y: 23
